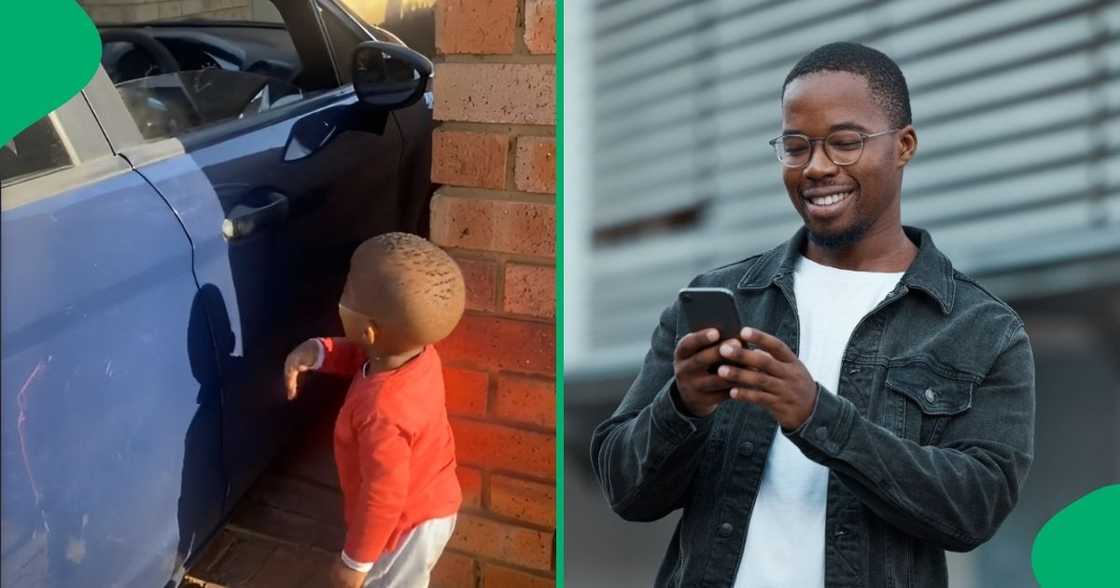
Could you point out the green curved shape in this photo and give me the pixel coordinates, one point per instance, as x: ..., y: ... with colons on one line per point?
x: 50, y: 51
x: 1080, y: 546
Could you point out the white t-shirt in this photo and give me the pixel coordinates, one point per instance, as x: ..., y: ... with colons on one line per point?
x: 785, y: 539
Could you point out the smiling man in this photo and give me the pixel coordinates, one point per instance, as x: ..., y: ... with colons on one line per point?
x: 878, y: 407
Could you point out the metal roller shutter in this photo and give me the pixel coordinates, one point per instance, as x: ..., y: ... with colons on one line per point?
x: 1016, y: 106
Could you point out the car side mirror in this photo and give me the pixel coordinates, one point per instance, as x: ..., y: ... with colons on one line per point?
x: 388, y: 76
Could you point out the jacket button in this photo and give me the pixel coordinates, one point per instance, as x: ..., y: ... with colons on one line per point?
x: 725, y: 530
x: 931, y: 395
x: 746, y: 448
x: 822, y: 433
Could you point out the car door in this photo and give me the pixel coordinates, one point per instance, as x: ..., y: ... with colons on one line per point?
x: 274, y: 202
x: 112, y: 471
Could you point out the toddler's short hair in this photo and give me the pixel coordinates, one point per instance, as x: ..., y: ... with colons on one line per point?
x: 407, y: 284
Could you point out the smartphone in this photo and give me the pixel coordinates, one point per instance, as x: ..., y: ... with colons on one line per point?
x: 706, y: 308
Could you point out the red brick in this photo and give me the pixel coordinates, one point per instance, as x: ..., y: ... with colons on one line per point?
x: 496, y: 93
x: 455, y: 570
x: 321, y: 577
x: 288, y: 567
x: 231, y: 14
x: 470, y: 159
x: 496, y: 576
x: 215, y: 550
x: 470, y: 480
x: 170, y: 10
x: 505, y: 226
x: 535, y: 169
x: 241, y: 563
x: 526, y: 400
x: 475, y: 26
x: 497, y: 447
x: 299, y: 497
x: 481, y: 279
x: 193, y: 6
x: 504, y: 542
x: 141, y: 13
x: 288, y: 526
x: 531, y: 502
x: 485, y: 342
x: 530, y: 289
x: 466, y: 390
x: 105, y: 14
x: 540, y: 26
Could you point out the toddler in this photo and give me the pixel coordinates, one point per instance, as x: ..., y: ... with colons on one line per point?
x: 392, y: 440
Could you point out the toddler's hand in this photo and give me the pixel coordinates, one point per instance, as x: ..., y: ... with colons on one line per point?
x: 344, y: 577
x: 301, y: 359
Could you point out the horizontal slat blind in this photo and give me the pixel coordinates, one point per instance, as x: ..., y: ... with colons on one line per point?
x: 1016, y: 104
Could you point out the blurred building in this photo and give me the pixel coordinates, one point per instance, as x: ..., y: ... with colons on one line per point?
x: 668, y: 109
x: 414, y: 21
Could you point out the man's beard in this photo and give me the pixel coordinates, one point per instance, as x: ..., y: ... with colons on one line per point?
x: 840, y: 240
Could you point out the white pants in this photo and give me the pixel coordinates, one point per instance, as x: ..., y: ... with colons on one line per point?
x: 410, y: 564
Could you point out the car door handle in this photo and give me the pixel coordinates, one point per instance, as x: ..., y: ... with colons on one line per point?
x: 243, y: 220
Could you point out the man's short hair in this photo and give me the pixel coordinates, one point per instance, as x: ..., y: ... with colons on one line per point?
x: 884, y: 78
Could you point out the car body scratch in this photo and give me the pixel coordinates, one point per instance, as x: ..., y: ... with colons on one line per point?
x: 21, y: 421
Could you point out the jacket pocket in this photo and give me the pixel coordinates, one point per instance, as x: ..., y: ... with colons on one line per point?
x: 926, y: 397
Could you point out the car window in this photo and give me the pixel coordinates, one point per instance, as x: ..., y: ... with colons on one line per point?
x: 186, y: 68
x: 170, y: 105
x: 36, y: 151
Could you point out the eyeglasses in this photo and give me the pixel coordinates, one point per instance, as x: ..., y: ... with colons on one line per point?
x: 841, y: 147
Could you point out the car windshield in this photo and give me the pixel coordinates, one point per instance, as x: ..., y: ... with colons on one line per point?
x: 168, y: 105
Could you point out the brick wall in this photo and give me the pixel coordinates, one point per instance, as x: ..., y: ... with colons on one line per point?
x: 494, y: 154
x: 130, y: 11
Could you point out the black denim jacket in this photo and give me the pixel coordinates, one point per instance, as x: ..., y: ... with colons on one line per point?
x: 928, y: 439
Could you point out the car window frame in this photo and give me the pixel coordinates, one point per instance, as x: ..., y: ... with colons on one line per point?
x: 371, y: 31
x: 347, y: 21
x: 92, y: 157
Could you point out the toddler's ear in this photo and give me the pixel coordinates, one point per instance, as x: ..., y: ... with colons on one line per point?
x: 369, y: 334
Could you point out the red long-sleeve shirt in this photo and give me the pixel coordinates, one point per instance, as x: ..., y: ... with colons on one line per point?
x: 393, y: 447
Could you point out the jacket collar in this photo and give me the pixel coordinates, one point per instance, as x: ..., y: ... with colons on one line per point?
x: 930, y: 272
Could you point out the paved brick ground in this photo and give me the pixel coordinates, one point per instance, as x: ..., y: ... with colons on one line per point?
x: 287, y: 530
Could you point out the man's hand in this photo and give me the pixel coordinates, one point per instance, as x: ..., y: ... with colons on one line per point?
x: 700, y: 391
x: 344, y: 577
x: 771, y: 376
x: 300, y: 360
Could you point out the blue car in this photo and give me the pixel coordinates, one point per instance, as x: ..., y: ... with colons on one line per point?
x: 167, y: 236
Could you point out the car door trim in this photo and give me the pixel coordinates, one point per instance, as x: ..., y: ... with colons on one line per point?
x: 64, y: 180
x: 222, y: 131
x: 79, y: 131
x: 149, y: 153
x: 111, y: 113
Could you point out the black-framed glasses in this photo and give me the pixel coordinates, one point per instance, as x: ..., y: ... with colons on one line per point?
x: 842, y: 147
